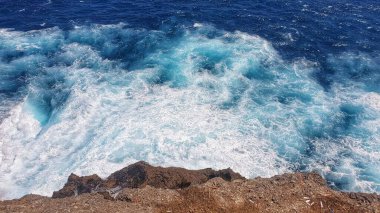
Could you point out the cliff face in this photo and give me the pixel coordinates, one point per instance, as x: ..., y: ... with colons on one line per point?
x: 144, y: 188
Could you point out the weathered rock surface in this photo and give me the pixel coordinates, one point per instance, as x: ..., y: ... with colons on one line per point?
x: 78, y: 185
x: 139, y: 175
x: 143, y: 188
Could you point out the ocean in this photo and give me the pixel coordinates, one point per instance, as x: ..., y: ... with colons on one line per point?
x: 262, y: 87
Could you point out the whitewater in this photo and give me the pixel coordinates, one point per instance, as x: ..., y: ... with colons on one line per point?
x: 96, y: 98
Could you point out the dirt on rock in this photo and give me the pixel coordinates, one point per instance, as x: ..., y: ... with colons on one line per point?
x: 141, y: 174
x: 144, y: 188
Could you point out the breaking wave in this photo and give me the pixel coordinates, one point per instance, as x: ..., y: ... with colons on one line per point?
x: 96, y: 98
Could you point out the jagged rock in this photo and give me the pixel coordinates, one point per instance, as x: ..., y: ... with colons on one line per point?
x: 156, y: 189
x: 364, y: 198
x: 78, y: 185
x: 139, y: 175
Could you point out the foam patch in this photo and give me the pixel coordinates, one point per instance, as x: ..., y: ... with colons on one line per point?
x: 95, y: 99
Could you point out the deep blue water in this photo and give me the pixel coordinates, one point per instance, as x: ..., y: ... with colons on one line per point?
x: 262, y: 87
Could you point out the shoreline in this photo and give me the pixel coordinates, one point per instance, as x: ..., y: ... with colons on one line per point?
x: 141, y: 187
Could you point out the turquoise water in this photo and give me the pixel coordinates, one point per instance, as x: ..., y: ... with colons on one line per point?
x: 93, y: 96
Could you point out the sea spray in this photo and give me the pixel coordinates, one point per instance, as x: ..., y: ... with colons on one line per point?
x: 96, y: 98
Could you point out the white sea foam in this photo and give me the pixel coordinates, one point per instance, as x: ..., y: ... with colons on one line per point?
x: 112, y: 96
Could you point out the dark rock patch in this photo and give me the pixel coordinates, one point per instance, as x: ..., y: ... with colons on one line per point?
x: 139, y: 175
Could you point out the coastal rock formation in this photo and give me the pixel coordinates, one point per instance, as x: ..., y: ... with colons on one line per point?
x: 144, y: 188
x: 78, y: 185
x: 139, y: 175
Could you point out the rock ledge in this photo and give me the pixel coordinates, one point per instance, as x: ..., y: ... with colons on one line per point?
x: 141, y: 187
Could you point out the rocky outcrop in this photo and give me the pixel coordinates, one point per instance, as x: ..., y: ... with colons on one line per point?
x: 139, y: 175
x: 144, y: 188
x: 78, y: 185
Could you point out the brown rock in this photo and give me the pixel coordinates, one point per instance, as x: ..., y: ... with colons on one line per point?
x: 78, y: 185
x: 139, y: 175
x: 156, y: 189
